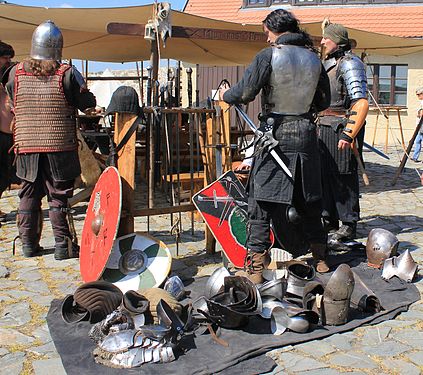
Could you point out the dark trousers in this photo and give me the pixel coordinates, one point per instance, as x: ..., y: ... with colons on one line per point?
x: 341, y: 197
x: 261, y: 213
x: 31, y: 194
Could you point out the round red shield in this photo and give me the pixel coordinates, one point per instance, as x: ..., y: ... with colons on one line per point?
x: 101, y: 225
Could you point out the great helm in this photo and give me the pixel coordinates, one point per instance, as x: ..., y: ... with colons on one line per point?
x: 381, y: 244
x: 47, y: 42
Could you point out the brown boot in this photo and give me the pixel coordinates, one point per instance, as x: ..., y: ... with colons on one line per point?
x: 319, y: 252
x: 256, y: 264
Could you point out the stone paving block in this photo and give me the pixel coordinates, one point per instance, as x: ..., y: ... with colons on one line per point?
x: 295, y: 362
x: 385, y: 349
x: 397, y: 324
x: 10, y: 336
x: 44, y: 301
x: 3, y: 351
x: 417, y: 306
x: 46, y: 349
x: 9, y: 284
x: 39, y: 286
x: 341, y: 341
x: 411, y: 315
x: 42, y: 333
x: 20, y: 293
x: 28, y: 274
x: 15, y: 315
x: 353, y: 360
x: 12, y: 364
x: 410, y: 337
x: 278, y: 370
x: 401, y: 366
x: 416, y: 357
x: 25, y: 262
x: 4, y: 272
x: 68, y: 288
x: 316, y: 348
x: 48, y: 366
x: 323, y: 371
x: 375, y: 335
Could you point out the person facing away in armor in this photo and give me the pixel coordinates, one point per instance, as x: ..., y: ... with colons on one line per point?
x: 45, y: 94
x: 293, y: 87
x: 341, y: 132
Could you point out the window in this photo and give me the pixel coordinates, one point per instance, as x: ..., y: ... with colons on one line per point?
x: 388, y: 84
x: 256, y: 3
x: 268, y: 3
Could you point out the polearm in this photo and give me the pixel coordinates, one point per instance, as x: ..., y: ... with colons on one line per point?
x: 259, y: 133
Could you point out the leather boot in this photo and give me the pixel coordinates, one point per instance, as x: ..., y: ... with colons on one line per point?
x: 256, y: 264
x: 65, y: 249
x: 347, y: 231
x: 30, y: 249
x: 319, y: 252
x: 30, y: 224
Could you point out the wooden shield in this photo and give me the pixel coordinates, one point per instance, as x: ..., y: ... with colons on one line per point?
x: 101, y: 225
x: 137, y: 262
x: 224, y: 205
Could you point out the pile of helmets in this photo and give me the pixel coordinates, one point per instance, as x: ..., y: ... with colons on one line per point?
x: 229, y: 301
x: 127, y: 329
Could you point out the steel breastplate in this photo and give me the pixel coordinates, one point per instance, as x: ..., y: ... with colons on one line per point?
x: 294, y: 78
x: 337, y: 90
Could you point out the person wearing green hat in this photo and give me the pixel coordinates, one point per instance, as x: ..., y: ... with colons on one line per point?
x: 341, y: 132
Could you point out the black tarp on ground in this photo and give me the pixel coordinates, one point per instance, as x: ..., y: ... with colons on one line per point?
x: 207, y: 357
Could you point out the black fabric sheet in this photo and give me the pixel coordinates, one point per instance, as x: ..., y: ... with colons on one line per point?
x: 205, y: 356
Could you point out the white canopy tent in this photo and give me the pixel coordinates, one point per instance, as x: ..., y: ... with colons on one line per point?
x: 85, y: 36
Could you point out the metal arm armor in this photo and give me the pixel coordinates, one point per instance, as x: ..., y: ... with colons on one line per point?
x: 353, y: 72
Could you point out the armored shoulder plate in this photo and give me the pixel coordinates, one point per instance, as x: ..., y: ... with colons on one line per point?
x: 353, y: 72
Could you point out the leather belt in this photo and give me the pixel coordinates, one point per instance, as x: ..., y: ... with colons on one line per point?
x: 331, y: 112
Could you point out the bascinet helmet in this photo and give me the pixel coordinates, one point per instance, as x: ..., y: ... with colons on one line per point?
x: 381, y: 244
x: 47, y: 42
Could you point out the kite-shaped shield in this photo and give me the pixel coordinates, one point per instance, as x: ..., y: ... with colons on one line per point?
x: 224, y: 205
x: 101, y: 225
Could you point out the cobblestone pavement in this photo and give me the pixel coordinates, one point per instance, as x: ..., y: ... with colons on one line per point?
x: 392, y: 347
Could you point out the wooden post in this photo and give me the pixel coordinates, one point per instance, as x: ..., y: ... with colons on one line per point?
x: 126, y: 168
x: 374, y: 131
x: 400, y: 127
x: 387, y: 131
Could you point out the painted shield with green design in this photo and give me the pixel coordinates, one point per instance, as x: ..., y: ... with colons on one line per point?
x: 137, y: 262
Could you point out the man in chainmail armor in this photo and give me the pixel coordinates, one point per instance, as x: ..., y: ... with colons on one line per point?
x: 45, y: 94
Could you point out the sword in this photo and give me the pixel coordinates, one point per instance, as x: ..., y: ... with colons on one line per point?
x: 259, y: 133
x: 375, y: 150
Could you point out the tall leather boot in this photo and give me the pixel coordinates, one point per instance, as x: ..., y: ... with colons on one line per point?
x: 319, y: 252
x: 256, y: 263
x: 346, y: 232
x: 65, y: 249
x: 30, y: 224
